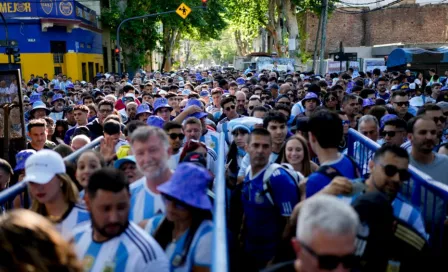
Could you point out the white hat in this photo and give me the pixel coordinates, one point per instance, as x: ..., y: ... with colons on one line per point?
x: 43, y: 166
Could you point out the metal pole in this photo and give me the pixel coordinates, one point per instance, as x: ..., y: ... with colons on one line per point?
x: 324, y: 35
x: 140, y: 17
x: 6, y: 38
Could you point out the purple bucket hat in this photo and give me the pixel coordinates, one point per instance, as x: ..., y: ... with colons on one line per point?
x: 240, y: 81
x: 310, y: 96
x: 386, y: 118
x: 367, y: 103
x: 189, y: 184
x: 57, y: 97
x: 155, y: 121
x: 196, y: 102
x: 21, y: 158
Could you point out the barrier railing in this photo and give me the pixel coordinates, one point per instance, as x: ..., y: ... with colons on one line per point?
x: 424, y: 193
x: 220, y: 257
x: 9, y: 194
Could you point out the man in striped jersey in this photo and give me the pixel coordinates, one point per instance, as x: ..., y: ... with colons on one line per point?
x: 388, y: 172
x: 111, y: 242
x: 152, y: 151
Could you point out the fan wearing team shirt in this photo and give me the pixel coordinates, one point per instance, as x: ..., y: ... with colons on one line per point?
x: 325, y: 135
x: 111, y: 242
x: 151, y: 148
x: 275, y: 123
x: 264, y: 217
x: 54, y: 194
x: 389, y: 171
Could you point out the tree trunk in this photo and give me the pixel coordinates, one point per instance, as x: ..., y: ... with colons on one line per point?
x: 239, y: 46
x: 293, y: 28
x: 273, y: 26
x: 169, y: 37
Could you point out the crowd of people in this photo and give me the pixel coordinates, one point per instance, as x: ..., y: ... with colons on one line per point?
x: 296, y: 201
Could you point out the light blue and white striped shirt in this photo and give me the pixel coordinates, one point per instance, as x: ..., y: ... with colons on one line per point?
x: 75, y: 217
x: 200, y: 251
x: 132, y: 250
x: 211, y: 139
x: 144, y: 203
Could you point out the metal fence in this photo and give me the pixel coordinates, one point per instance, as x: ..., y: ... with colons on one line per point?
x: 220, y: 255
x: 8, y: 195
x: 428, y: 195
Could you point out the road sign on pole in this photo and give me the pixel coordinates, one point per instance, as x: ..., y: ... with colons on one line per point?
x: 183, y: 10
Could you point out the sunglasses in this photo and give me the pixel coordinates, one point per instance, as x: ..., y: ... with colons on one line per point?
x: 392, y: 170
x: 251, y: 107
x: 174, y: 136
x: 177, y: 203
x: 345, y: 122
x: 264, y: 98
x: 332, y: 98
x: 331, y: 262
x: 231, y: 107
x: 401, y: 104
x: 442, y: 119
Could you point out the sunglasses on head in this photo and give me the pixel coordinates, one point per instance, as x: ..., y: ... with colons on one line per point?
x: 392, y: 170
x: 231, y: 107
x: 331, y: 262
x: 442, y: 119
x: 174, y: 136
x: 401, y: 104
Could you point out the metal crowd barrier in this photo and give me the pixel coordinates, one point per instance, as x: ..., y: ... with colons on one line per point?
x: 424, y: 193
x: 8, y: 195
x: 220, y: 261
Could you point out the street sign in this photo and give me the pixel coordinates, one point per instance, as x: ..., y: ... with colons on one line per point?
x: 340, y: 56
x: 11, y: 42
x: 183, y: 10
x: 351, y: 56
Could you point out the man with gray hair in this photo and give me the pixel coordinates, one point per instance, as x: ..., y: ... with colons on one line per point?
x: 152, y: 151
x: 326, y: 235
x: 369, y: 127
x: 79, y: 141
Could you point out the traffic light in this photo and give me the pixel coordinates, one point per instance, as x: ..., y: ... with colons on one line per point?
x: 117, y: 54
x: 16, y: 54
x: 204, y: 3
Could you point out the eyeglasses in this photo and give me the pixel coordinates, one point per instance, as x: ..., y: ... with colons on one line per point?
x: 174, y: 136
x: 104, y: 111
x: 442, y: 119
x: 392, y: 170
x: 371, y: 132
x: 231, y: 107
x: 177, y: 203
x: 389, y: 133
x: 345, y: 122
x: 331, y: 262
x: 401, y: 104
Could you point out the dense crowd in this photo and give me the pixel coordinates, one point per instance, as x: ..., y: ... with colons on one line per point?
x: 142, y: 199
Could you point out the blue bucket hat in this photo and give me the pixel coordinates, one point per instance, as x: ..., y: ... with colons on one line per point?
x: 186, y: 92
x: 70, y: 86
x: 142, y: 109
x: 240, y: 81
x: 189, y: 184
x: 56, y: 97
x: 56, y: 87
x: 21, y: 158
x: 155, y: 121
x: 35, y: 98
x: 39, y: 105
x: 204, y: 93
x: 246, y: 123
x: 367, y: 103
x: 161, y: 103
x: 120, y: 162
x: 195, y: 102
x: 310, y: 96
x: 386, y: 118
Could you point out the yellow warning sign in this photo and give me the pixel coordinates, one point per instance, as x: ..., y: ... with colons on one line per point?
x: 183, y: 10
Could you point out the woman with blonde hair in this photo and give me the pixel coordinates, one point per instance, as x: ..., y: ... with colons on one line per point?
x: 296, y: 153
x: 54, y: 194
x: 30, y: 243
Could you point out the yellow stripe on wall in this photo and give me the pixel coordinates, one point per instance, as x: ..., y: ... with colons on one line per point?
x: 42, y: 63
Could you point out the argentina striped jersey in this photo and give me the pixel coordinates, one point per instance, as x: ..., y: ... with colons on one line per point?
x: 144, y: 203
x: 132, y: 250
x: 75, y: 216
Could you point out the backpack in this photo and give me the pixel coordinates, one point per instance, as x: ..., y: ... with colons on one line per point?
x: 331, y: 172
x: 267, y: 188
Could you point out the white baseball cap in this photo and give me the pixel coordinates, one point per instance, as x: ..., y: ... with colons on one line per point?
x: 43, y: 166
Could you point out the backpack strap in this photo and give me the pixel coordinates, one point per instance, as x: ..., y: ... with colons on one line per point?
x: 356, y: 169
x: 267, y: 181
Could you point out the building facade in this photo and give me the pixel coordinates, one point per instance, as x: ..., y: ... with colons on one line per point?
x: 54, y: 36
